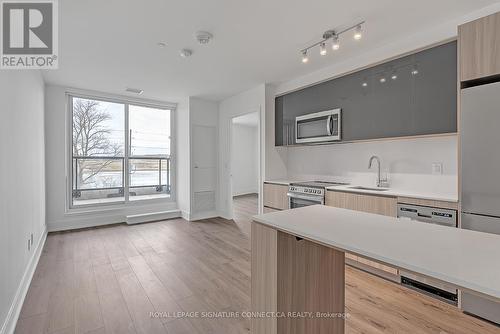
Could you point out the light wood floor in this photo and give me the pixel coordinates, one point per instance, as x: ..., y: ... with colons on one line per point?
x: 244, y: 207
x: 108, y: 280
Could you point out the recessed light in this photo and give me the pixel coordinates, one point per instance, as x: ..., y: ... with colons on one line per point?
x: 162, y: 44
x: 185, y: 53
x: 134, y: 90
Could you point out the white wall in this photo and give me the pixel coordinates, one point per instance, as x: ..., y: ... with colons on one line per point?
x: 58, y: 215
x: 22, y: 180
x: 408, y: 162
x: 203, y: 186
x: 183, y: 158
x: 245, y: 159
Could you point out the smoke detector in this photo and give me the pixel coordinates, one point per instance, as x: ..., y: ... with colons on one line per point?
x: 203, y: 37
x: 134, y: 90
x: 185, y: 53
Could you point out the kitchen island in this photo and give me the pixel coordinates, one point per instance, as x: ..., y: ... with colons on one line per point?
x: 298, y: 262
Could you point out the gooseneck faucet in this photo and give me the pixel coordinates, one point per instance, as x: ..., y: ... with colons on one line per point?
x: 380, y: 182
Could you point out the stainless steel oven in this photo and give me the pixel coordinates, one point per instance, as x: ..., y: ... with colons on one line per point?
x: 318, y: 127
x: 299, y: 200
x: 308, y: 193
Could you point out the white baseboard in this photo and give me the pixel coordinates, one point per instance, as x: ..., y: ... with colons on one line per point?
x: 203, y: 215
x: 73, y: 225
x: 186, y: 215
x: 15, y: 309
x: 155, y: 216
x: 245, y: 192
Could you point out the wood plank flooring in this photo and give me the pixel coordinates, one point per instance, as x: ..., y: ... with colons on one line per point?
x: 109, y: 280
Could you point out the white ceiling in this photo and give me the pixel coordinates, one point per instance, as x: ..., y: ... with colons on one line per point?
x: 251, y: 119
x: 110, y: 45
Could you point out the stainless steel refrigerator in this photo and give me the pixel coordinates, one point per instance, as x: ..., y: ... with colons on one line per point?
x: 480, y: 170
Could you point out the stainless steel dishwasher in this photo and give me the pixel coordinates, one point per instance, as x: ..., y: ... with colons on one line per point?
x: 424, y: 214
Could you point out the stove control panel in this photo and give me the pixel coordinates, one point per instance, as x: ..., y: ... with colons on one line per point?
x: 307, y: 190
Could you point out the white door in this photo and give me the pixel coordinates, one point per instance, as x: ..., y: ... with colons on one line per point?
x: 204, y: 144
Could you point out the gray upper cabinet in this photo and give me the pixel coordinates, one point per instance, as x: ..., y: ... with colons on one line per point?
x: 412, y: 95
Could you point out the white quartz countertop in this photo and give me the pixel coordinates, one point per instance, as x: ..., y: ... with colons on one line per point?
x: 399, y: 193
x: 394, y: 192
x: 467, y: 259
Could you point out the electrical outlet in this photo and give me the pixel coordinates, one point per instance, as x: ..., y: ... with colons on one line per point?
x: 437, y: 168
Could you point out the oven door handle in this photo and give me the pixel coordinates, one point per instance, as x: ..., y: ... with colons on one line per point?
x: 318, y: 199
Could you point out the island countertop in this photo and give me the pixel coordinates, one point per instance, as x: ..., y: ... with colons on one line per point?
x: 467, y: 259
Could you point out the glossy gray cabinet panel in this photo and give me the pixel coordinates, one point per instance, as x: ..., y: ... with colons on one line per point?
x: 413, y: 95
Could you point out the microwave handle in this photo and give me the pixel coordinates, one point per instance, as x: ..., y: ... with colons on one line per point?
x: 328, y: 127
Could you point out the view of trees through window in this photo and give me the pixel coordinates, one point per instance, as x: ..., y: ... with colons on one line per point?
x: 106, y: 138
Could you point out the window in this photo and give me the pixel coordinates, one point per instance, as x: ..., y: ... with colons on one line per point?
x: 120, y: 152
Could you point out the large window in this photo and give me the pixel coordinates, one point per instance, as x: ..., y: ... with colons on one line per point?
x: 120, y: 152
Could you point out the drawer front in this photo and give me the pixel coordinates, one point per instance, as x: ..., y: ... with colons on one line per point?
x: 381, y: 205
x: 275, y: 196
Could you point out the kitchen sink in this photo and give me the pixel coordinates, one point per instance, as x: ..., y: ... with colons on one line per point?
x: 369, y: 188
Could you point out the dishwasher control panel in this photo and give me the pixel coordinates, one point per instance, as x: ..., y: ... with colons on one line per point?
x: 427, y: 214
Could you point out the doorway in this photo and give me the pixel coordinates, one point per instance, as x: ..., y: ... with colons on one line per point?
x: 245, y: 168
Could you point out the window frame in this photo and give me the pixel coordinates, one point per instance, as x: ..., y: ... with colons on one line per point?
x: 126, y: 102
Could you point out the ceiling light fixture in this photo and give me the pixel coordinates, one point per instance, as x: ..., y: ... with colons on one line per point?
x: 185, y: 53
x: 358, y: 33
x: 335, y: 42
x: 203, y: 37
x: 305, y: 59
x: 322, y: 49
x: 334, y: 36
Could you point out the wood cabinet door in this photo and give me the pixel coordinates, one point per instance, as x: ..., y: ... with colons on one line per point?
x: 381, y: 205
x: 480, y: 48
x: 275, y: 196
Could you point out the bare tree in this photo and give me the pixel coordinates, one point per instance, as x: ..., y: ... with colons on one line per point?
x: 91, y: 138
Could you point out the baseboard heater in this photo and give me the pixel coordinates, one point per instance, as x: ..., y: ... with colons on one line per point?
x: 446, y: 296
x: 153, y: 216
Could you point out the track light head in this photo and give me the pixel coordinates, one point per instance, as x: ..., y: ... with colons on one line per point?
x: 322, y: 49
x: 335, y: 42
x: 305, y: 59
x: 358, y: 33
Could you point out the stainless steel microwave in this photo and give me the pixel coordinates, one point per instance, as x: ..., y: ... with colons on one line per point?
x: 318, y: 127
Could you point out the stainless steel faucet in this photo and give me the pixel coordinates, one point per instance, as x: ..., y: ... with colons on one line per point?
x: 380, y: 182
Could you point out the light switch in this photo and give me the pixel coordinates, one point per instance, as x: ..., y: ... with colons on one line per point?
x: 437, y: 168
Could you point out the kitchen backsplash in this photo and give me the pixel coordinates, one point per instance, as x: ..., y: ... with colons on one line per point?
x: 408, y: 163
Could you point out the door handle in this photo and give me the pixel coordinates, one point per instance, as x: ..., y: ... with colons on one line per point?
x: 328, y: 125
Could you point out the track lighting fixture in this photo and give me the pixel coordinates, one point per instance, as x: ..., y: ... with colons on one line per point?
x: 305, y: 59
x: 322, y: 49
x: 335, y: 42
x: 358, y: 33
x: 334, y: 36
